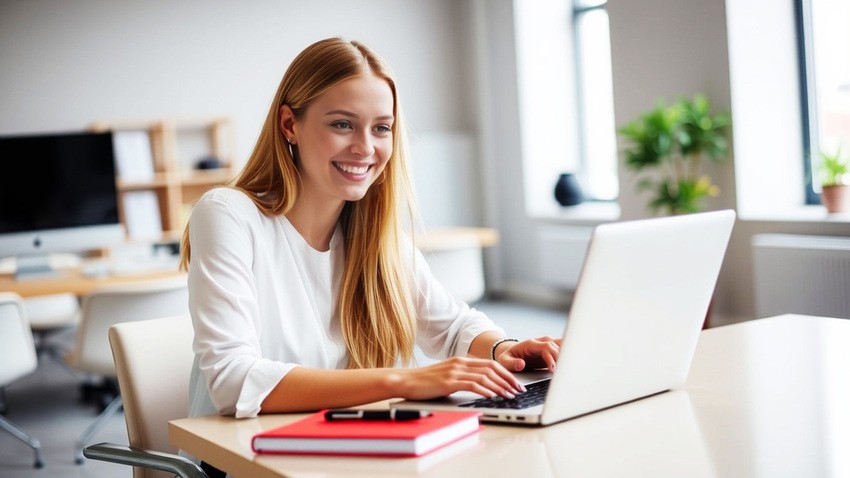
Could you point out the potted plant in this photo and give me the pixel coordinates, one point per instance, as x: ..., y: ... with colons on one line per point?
x: 674, y: 140
x: 834, y: 170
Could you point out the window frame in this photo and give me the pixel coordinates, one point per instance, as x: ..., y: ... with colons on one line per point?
x: 808, y: 96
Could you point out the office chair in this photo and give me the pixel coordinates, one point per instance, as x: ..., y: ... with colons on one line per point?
x: 17, y: 359
x: 49, y: 316
x: 111, y: 305
x: 457, y: 261
x: 153, y: 360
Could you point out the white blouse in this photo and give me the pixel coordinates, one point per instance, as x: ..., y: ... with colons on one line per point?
x: 264, y: 302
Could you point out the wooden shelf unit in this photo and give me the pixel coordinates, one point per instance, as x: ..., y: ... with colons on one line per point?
x: 175, y: 181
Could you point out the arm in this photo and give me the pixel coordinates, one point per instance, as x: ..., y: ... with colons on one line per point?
x: 304, y: 389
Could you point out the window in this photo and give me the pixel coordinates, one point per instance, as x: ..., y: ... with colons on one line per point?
x: 825, y: 83
x: 597, y: 141
x: 566, y: 99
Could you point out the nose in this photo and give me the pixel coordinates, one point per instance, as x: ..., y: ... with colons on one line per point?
x: 362, y: 145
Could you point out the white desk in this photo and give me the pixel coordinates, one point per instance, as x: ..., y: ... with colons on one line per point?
x: 766, y: 398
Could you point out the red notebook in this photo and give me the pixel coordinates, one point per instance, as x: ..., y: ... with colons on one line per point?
x: 315, y: 435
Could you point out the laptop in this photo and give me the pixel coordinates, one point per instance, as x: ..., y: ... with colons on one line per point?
x: 632, y: 329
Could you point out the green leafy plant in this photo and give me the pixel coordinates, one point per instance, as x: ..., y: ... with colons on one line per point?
x: 834, y: 168
x: 674, y: 139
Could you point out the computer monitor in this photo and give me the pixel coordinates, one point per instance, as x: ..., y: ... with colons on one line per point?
x: 57, y: 194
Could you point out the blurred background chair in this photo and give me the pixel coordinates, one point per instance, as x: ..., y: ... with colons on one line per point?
x: 455, y: 257
x: 110, y: 305
x: 50, y: 316
x: 17, y: 359
x: 153, y: 360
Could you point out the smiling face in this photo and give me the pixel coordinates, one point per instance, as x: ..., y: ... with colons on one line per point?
x: 344, y: 139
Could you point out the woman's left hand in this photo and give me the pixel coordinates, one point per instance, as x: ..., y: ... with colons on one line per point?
x: 541, y: 352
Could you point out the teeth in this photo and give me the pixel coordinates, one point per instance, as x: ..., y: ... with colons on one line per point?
x: 352, y: 169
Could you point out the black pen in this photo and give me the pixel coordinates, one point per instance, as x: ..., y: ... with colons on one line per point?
x: 375, y: 415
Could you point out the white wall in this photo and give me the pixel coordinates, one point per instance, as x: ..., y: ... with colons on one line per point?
x: 68, y: 63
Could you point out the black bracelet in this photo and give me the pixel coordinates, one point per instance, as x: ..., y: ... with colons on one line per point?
x: 498, y: 343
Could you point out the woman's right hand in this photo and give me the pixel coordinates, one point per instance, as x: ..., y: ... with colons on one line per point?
x: 484, y: 377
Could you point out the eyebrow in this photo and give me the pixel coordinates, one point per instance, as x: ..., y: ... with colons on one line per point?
x: 353, y: 115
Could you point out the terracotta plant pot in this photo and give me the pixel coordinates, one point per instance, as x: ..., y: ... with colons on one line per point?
x: 835, y: 197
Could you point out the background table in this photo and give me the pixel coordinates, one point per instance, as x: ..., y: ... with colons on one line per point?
x: 74, y: 281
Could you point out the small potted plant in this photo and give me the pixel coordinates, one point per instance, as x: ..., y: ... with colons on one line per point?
x: 834, y: 170
x: 673, y: 140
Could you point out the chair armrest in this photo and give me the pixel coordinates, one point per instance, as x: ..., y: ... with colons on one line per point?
x: 128, y: 455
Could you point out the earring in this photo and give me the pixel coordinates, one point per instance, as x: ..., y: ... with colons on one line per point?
x: 290, y: 148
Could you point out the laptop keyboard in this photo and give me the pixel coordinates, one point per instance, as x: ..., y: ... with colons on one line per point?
x: 534, y: 395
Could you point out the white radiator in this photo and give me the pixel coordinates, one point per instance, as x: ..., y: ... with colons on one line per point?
x: 801, y: 274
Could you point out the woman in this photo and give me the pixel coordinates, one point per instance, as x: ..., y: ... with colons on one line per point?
x: 305, y: 290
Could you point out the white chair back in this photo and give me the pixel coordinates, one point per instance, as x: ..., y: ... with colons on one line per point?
x: 153, y: 360
x: 52, y: 311
x: 18, y: 358
x: 17, y: 349
x: 457, y: 261
x: 119, y: 303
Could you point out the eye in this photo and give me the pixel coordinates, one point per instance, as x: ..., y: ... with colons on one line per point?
x: 342, y: 125
x: 383, y: 129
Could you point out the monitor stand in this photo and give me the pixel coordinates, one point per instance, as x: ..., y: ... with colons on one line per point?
x: 34, y: 266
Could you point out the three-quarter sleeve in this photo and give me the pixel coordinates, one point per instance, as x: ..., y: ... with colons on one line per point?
x: 225, y: 311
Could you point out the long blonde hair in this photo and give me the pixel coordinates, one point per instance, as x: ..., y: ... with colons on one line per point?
x: 376, y: 307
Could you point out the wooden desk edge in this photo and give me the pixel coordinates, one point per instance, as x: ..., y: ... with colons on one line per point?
x: 75, y: 282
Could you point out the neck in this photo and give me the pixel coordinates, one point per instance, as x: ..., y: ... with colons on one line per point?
x: 315, y: 222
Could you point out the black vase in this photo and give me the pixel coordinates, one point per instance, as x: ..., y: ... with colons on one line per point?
x: 567, y: 190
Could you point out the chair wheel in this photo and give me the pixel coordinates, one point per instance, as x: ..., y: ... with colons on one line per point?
x: 38, y: 464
